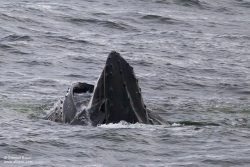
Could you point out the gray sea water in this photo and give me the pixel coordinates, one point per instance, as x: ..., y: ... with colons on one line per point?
x: 191, y: 58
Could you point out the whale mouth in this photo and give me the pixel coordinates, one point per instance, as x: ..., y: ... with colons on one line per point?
x: 116, y: 97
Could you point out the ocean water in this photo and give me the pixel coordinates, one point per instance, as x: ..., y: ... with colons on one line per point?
x: 192, y: 60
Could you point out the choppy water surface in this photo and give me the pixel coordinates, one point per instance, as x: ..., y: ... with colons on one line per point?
x: 191, y: 58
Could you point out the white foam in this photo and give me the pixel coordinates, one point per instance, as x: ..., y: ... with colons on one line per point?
x: 126, y: 125
x: 176, y: 125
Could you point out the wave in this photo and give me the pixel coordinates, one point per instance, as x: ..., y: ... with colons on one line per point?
x: 188, y: 3
x: 162, y: 19
x: 192, y: 123
x: 4, y: 46
x: 12, y: 38
x: 191, y: 3
x: 20, y: 19
x: 11, y: 49
x: 105, y: 23
x: 242, y: 3
x: 67, y: 39
x: 159, y: 18
x: 36, y: 63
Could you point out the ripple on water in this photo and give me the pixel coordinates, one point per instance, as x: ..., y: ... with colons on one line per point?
x: 102, y: 22
x: 11, y: 38
x: 160, y: 19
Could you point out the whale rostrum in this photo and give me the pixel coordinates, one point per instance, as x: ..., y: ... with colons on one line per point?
x: 115, y: 97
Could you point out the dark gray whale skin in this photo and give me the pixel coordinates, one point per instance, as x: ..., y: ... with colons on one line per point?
x: 116, y: 97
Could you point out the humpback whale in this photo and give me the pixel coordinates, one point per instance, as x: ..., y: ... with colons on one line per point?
x: 116, y: 97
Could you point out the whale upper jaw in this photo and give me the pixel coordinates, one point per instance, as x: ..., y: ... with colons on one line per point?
x: 116, y: 97
x: 123, y: 100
